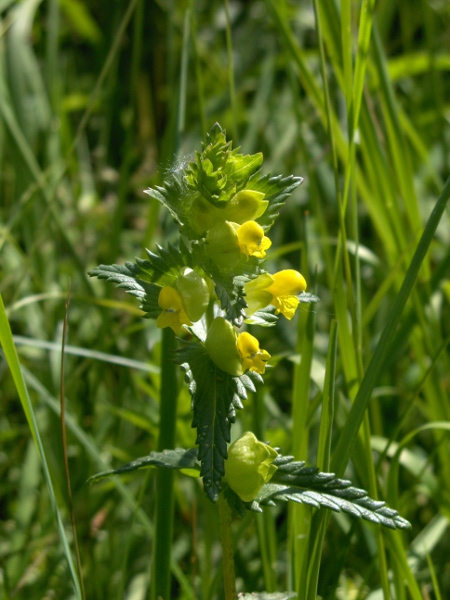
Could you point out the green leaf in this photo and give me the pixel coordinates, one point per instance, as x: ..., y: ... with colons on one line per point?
x: 306, y: 485
x: 177, y: 198
x: 139, y: 278
x: 265, y: 317
x: 277, y: 190
x: 267, y: 596
x: 215, y: 397
x: 184, y: 460
x: 240, y: 167
x: 126, y: 278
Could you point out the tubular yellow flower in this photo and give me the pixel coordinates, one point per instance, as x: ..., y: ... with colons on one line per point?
x: 280, y: 290
x: 249, y: 466
x: 251, y: 239
x: 252, y: 356
x: 285, y: 288
x: 173, y: 314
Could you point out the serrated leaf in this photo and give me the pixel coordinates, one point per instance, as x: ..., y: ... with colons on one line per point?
x: 306, y: 485
x: 164, y: 265
x: 240, y: 167
x: 144, y: 278
x: 265, y: 317
x: 215, y: 397
x: 181, y: 459
x: 175, y: 195
x: 125, y: 276
x: 276, y: 190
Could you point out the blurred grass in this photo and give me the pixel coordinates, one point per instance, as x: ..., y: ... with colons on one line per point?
x: 96, y: 104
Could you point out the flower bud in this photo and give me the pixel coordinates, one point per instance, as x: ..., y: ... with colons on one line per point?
x: 249, y: 466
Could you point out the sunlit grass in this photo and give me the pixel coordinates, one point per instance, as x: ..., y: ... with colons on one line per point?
x: 95, y: 106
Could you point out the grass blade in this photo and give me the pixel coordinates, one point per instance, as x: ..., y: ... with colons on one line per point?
x: 22, y: 391
x: 355, y: 418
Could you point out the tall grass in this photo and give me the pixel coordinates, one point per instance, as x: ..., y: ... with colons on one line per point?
x: 97, y: 104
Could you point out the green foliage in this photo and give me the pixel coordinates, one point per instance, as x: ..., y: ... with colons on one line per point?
x: 99, y: 102
x: 220, y: 181
x: 215, y: 398
x: 292, y: 481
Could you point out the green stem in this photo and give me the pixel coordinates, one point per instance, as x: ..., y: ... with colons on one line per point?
x: 229, y: 577
x: 161, y: 576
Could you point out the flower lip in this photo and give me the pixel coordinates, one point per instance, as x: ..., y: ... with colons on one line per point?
x: 251, y: 239
x: 253, y: 357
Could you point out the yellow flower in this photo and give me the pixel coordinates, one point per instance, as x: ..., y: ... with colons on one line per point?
x: 249, y: 466
x: 280, y: 290
x: 173, y: 314
x: 234, y: 353
x: 252, y: 356
x: 251, y: 239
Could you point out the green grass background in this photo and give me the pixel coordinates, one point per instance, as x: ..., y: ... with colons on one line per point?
x: 98, y: 101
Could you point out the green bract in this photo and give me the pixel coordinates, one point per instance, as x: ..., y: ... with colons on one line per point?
x: 246, y: 205
x: 249, y: 466
x: 221, y: 346
x: 194, y: 292
x: 222, y: 245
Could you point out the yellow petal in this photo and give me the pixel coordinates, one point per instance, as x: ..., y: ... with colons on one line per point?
x: 286, y: 305
x: 285, y: 288
x: 253, y: 358
x: 287, y: 283
x: 173, y: 314
x: 251, y: 239
x: 170, y: 299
